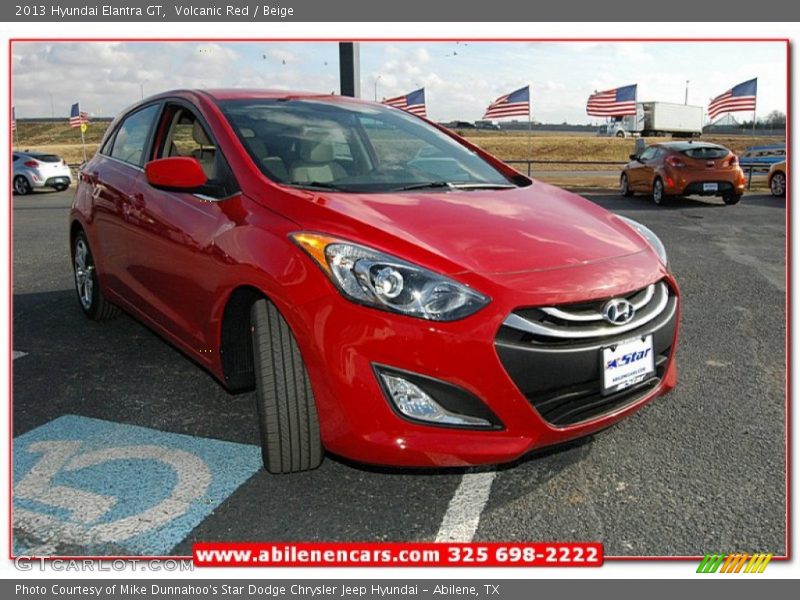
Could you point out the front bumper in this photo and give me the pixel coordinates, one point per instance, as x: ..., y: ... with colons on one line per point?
x: 342, y: 343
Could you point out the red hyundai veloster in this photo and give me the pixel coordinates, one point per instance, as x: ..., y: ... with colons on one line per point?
x: 395, y: 294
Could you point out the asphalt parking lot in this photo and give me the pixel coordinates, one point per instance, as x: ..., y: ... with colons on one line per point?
x: 700, y: 470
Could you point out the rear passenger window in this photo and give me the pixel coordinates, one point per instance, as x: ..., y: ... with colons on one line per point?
x: 131, y: 137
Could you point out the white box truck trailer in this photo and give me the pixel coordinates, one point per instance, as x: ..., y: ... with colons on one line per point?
x: 656, y: 119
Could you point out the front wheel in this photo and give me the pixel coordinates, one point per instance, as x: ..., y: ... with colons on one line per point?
x: 658, y: 192
x: 91, y: 299
x: 777, y: 185
x: 731, y: 198
x: 22, y: 186
x: 624, y: 186
x: 287, y: 413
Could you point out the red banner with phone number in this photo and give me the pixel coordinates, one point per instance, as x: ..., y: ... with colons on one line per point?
x: 400, y: 554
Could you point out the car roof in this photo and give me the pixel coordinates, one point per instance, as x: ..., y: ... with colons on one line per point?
x: 681, y: 146
x: 221, y: 94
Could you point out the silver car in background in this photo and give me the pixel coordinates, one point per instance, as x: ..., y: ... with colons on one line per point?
x: 36, y: 170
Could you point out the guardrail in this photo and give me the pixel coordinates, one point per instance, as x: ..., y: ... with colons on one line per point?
x: 750, y: 170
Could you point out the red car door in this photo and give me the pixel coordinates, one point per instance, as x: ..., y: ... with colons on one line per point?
x: 174, y: 266
x: 113, y: 177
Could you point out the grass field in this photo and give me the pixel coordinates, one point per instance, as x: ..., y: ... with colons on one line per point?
x: 511, y: 145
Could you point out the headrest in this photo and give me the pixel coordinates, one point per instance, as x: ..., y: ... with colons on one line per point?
x: 316, y: 151
x: 199, y: 135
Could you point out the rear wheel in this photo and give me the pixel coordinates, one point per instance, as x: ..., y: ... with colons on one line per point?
x: 287, y: 414
x: 777, y: 185
x: 731, y: 198
x: 658, y: 192
x: 91, y: 299
x: 22, y: 186
x: 620, y: 134
x: 624, y: 187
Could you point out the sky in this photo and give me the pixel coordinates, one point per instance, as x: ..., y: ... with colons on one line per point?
x: 460, y: 78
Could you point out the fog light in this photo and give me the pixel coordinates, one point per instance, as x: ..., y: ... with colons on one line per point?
x: 415, y: 403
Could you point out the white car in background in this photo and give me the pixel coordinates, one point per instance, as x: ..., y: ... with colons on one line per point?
x: 36, y: 170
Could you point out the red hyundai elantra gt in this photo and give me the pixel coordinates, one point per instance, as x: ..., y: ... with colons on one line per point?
x: 395, y: 294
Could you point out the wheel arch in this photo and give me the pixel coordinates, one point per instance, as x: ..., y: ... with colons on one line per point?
x: 235, y: 348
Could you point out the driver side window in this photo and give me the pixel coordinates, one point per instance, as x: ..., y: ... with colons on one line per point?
x: 131, y: 137
x: 186, y: 136
x: 649, y: 154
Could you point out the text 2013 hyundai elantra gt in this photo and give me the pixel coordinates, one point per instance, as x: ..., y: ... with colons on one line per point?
x: 395, y: 294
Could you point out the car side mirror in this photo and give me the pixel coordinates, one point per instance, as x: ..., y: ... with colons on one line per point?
x: 176, y: 174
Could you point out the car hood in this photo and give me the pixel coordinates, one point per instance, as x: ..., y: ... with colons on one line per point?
x: 531, y: 228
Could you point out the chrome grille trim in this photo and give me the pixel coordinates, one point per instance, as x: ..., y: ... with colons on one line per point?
x: 648, y: 308
x: 587, y: 315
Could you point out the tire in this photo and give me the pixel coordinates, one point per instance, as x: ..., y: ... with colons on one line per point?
x: 777, y: 184
x: 731, y: 198
x: 22, y: 186
x: 658, y: 192
x: 623, y: 186
x: 287, y: 413
x: 61, y: 188
x: 620, y: 134
x: 90, y: 297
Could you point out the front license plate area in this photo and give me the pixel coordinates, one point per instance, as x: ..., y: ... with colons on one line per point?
x: 627, y: 363
x: 710, y: 187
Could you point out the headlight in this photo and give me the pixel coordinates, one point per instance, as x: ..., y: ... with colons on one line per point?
x: 370, y: 277
x: 651, y: 237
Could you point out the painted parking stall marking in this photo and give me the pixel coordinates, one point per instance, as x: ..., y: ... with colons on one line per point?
x: 94, y: 487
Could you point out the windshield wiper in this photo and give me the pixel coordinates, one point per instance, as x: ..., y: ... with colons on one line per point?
x: 424, y: 186
x: 315, y: 185
x: 454, y: 186
x: 482, y: 186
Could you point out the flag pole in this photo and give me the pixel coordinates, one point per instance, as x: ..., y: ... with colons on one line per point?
x: 83, y: 143
x: 530, y: 134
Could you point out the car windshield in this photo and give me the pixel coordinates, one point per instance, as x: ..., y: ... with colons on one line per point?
x: 351, y: 147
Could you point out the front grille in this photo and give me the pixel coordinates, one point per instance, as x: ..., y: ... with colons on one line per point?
x: 554, y: 354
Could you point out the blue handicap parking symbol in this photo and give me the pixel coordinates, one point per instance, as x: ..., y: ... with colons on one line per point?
x: 95, y: 487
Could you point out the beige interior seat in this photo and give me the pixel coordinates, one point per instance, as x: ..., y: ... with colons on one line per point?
x: 276, y: 166
x: 316, y: 163
x: 206, y: 153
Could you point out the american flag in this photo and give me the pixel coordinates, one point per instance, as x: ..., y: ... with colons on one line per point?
x: 739, y: 97
x: 618, y: 102
x: 516, y: 103
x: 413, y: 102
x: 76, y: 116
x: 13, y: 119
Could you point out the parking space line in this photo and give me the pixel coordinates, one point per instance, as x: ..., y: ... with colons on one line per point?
x: 463, y: 514
x: 15, y: 354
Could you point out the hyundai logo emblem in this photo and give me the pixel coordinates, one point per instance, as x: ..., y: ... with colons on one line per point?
x: 618, y: 311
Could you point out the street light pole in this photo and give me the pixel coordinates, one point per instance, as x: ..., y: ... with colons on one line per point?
x: 686, y: 97
x: 376, y: 87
